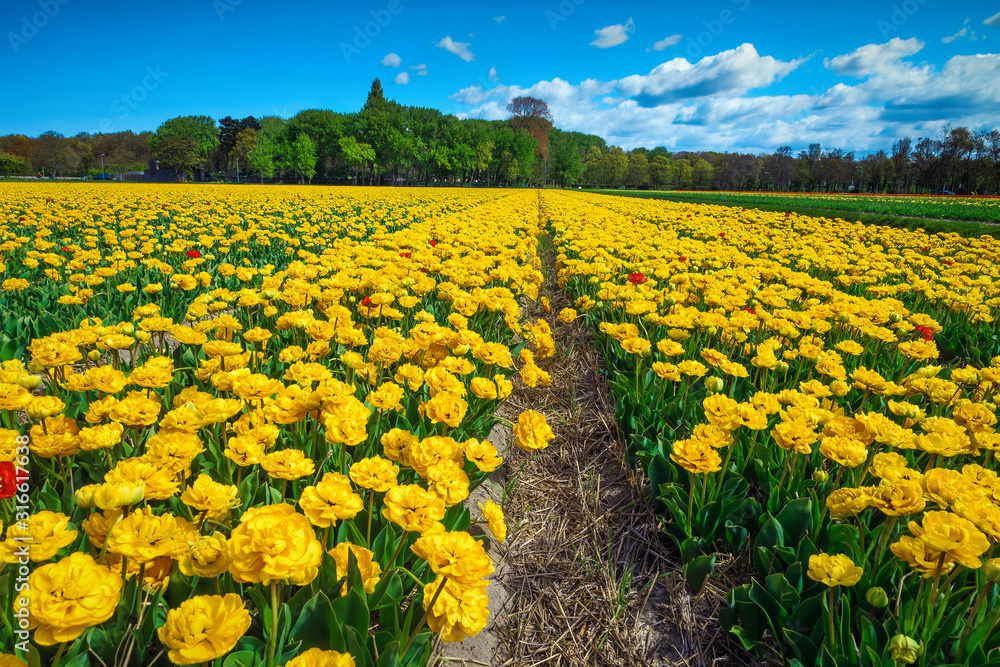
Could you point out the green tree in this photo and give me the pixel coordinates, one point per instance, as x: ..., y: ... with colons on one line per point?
x: 325, y: 128
x: 56, y: 153
x: 566, y: 157
x: 122, y: 151
x: 267, y: 153
x: 179, y: 154
x: 484, y: 155
x: 684, y: 172
x: 638, y: 168
x: 593, y: 166
x: 615, y: 165
x: 304, y: 157
x: 11, y: 165
x: 356, y: 154
x: 262, y: 156
x: 230, y: 130
x: 660, y: 168
x: 200, y: 129
x: 245, y: 143
x: 703, y: 174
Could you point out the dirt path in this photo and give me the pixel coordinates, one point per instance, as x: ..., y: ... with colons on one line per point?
x: 584, y: 576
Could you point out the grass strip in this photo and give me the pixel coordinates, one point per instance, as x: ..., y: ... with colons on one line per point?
x: 931, y: 226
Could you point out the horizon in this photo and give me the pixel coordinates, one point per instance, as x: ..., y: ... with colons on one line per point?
x: 727, y: 76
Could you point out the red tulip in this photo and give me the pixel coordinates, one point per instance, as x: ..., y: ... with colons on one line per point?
x: 8, y: 480
x: 637, y: 278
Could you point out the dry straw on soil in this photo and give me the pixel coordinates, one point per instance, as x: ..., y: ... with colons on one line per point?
x: 588, y: 578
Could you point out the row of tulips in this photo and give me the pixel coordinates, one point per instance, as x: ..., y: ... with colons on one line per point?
x: 780, y: 380
x: 264, y: 462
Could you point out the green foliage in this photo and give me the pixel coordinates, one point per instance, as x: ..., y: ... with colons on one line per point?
x: 11, y: 165
x: 304, y: 156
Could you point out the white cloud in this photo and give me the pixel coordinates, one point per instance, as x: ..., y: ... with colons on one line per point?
x: 499, y: 19
x: 705, y: 105
x: 993, y: 21
x: 613, y: 35
x: 664, y: 44
x: 460, y: 49
x: 961, y: 33
x: 392, y: 60
x: 420, y: 69
x: 873, y: 58
x: 734, y: 71
x: 965, y: 31
x: 493, y: 74
x: 402, y: 78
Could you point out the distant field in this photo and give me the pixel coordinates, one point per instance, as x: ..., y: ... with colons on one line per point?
x: 980, y: 209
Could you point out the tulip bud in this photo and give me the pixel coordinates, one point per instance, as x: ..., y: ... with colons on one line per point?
x: 895, y: 317
x: 670, y: 301
x: 128, y: 329
x: 352, y: 299
x: 782, y: 367
x: 84, y: 496
x: 35, y: 366
x: 991, y: 569
x: 29, y: 382
x: 876, y: 597
x: 905, y: 649
x: 754, y: 292
x: 593, y: 280
x: 142, y: 336
x: 138, y: 494
x: 753, y: 303
x: 714, y: 385
x: 647, y: 353
x: 844, y: 318
x: 94, y: 355
x: 820, y: 476
x: 711, y: 330
x: 270, y: 294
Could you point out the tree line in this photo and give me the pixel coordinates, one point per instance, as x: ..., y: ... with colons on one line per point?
x: 389, y: 143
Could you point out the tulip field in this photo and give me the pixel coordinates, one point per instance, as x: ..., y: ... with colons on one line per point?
x: 250, y: 420
x: 241, y: 423
x: 819, y: 395
x: 979, y: 209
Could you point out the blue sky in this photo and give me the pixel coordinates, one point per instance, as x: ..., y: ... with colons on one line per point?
x: 745, y: 75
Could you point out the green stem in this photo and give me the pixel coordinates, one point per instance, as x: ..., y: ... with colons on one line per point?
x: 423, y: 619
x: 725, y: 466
x: 402, y: 541
x: 691, y: 501
x: 273, y: 643
x: 371, y: 505
x: 59, y: 654
x: 887, y: 529
x: 971, y: 619
x: 829, y: 620
x: 934, y: 591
